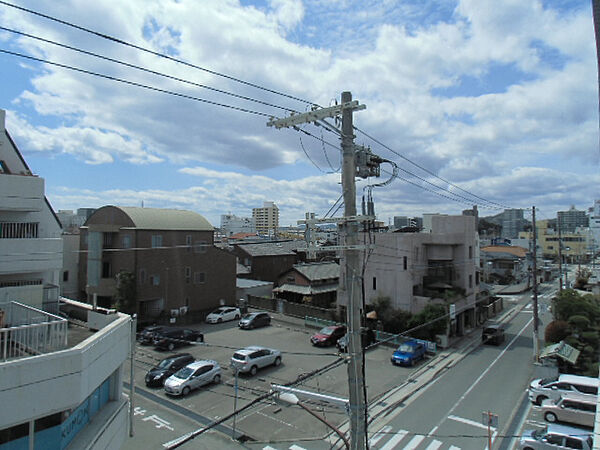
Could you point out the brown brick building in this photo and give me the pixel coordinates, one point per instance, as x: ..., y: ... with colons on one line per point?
x: 169, y: 252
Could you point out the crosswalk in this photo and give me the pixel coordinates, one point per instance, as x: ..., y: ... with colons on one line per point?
x: 389, y: 439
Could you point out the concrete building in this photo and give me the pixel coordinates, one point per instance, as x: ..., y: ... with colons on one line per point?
x: 170, y: 253
x: 266, y: 261
x: 71, y: 221
x: 437, y: 265
x: 66, y: 391
x: 513, y: 222
x: 30, y: 232
x: 594, y: 221
x: 570, y: 220
x: 69, y: 280
x: 574, y: 245
x: 266, y: 219
x: 232, y: 224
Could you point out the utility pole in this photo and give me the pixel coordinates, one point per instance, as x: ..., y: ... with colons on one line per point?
x: 352, y: 273
x: 560, y: 272
x: 536, y: 336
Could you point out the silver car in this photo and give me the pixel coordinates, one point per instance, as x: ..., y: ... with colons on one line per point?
x: 250, y: 359
x: 192, y: 376
x: 557, y: 437
x: 573, y: 408
x: 223, y: 314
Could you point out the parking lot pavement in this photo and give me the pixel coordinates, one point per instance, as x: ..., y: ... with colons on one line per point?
x: 270, y: 420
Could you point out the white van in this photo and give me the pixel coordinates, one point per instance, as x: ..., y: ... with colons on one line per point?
x: 553, y: 388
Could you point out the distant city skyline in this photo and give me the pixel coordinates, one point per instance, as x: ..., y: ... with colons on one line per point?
x: 506, y: 123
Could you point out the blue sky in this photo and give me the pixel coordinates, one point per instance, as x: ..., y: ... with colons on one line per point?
x: 498, y: 98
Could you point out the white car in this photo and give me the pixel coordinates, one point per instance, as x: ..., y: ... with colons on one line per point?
x: 250, y: 359
x: 193, y: 376
x: 223, y: 314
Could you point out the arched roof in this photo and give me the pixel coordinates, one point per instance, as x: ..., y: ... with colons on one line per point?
x: 165, y: 219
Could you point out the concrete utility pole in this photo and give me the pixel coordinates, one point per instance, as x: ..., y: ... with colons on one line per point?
x: 560, y: 272
x: 351, y: 271
x: 536, y: 336
x: 356, y: 382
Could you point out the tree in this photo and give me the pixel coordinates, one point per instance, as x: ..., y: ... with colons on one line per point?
x: 435, y: 316
x: 569, y: 303
x: 125, y: 298
x: 556, y: 331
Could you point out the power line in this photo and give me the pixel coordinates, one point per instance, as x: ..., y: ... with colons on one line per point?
x: 133, y: 83
x: 144, y: 69
x: 152, y: 52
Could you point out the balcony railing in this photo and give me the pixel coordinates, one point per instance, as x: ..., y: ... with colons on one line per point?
x: 27, y: 331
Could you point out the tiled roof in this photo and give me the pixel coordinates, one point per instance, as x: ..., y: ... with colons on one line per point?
x: 512, y: 250
x: 319, y: 271
x: 307, y: 290
x: 273, y: 248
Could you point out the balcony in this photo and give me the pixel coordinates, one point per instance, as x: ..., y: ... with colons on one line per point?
x: 30, y: 255
x: 21, y: 193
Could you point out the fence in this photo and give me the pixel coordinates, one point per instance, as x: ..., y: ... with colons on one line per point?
x: 27, y: 331
x: 292, y: 309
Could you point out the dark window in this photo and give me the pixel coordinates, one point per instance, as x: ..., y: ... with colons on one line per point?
x: 470, y: 252
x: 48, y: 422
x: 188, y: 274
x: 470, y: 281
x: 156, y: 240
x: 106, y: 270
x: 374, y: 283
x: 142, y: 276
x: 66, y: 275
x: 405, y: 259
x: 126, y: 241
x: 573, y: 443
x: 199, y: 277
x: 13, y: 433
x: 200, y: 247
x: 188, y: 242
x: 155, y: 280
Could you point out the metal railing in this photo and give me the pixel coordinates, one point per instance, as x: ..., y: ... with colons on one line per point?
x: 28, y: 331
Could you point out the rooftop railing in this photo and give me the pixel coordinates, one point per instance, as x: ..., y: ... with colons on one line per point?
x: 27, y: 331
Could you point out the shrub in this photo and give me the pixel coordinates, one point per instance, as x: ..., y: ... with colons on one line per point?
x: 556, y: 331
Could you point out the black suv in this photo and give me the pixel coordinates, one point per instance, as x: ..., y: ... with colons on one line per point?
x: 493, y: 334
x: 367, y: 338
x: 169, y: 338
x: 167, y: 367
x: 147, y: 335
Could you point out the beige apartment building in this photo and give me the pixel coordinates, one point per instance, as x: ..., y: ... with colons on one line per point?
x: 266, y: 219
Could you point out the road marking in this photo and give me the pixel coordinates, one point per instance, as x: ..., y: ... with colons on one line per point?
x: 377, y: 437
x: 469, y: 422
x: 435, y: 444
x: 394, y: 441
x: 479, y: 378
x: 453, y: 447
x: 414, y: 442
x: 296, y: 447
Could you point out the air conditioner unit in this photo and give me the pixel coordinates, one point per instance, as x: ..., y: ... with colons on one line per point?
x: 183, y: 310
x: 174, y: 312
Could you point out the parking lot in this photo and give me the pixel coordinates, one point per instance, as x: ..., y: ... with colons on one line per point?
x: 269, y: 420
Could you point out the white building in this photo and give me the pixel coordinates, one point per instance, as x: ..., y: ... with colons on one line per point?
x: 68, y: 395
x: 30, y: 232
x: 232, y: 224
x: 595, y: 228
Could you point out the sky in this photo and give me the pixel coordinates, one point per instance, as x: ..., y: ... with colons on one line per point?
x: 478, y: 102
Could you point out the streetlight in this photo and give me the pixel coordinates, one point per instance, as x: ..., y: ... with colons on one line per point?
x: 293, y: 400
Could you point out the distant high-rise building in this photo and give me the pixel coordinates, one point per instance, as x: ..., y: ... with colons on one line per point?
x: 595, y: 227
x: 405, y: 221
x: 266, y: 219
x: 232, y: 224
x: 571, y: 219
x: 513, y: 222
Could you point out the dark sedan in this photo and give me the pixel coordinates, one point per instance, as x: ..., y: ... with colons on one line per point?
x: 328, y: 335
x: 170, y: 338
x: 157, y: 375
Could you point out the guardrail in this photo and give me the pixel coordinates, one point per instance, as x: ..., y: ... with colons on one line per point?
x: 28, y: 331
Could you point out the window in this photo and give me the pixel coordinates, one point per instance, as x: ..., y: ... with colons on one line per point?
x: 199, y: 277
x: 188, y: 242
x: 155, y: 280
x: 200, y: 247
x: 374, y: 283
x: 126, y: 241
x: 470, y: 281
x: 573, y: 443
x: 188, y: 274
x: 142, y: 276
x: 477, y: 278
x: 66, y: 276
x: 405, y: 262
x: 107, y: 239
x: 187, y: 301
x: 106, y: 270
x: 470, y: 252
x: 156, y: 240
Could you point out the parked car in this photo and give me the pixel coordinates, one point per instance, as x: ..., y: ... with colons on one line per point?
x: 328, y: 335
x: 223, y: 314
x: 193, y: 376
x: 147, y: 335
x: 493, y: 334
x: 250, y: 359
x: 167, y: 367
x: 577, y: 409
x: 170, y: 338
x: 367, y: 338
x: 255, y: 320
x: 555, y: 437
x: 408, y: 353
x: 543, y: 388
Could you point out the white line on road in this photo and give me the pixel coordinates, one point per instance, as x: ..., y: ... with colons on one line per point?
x: 469, y: 422
x: 454, y: 447
x: 414, y: 442
x: 296, y: 447
x: 394, y: 441
x: 479, y: 378
x: 377, y: 437
x: 435, y: 444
